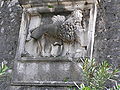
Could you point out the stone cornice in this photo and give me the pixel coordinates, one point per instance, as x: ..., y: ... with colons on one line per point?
x: 46, y: 6
x: 43, y: 3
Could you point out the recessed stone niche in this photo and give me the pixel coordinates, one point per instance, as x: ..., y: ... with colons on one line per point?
x: 54, y: 36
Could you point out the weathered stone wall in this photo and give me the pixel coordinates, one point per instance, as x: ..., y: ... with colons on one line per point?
x: 107, y: 37
x: 10, y: 16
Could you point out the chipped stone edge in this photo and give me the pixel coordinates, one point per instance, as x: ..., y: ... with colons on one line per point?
x: 45, y: 83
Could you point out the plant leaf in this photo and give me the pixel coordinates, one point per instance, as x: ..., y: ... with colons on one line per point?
x: 50, y: 6
x: 5, y: 67
x: 86, y: 88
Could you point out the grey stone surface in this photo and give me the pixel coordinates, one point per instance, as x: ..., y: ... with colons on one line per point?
x: 63, y: 37
x: 107, y: 40
x: 74, y: 39
x: 10, y: 16
x: 24, y: 2
x: 47, y: 71
x: 107, y: 37
x: 41, y: 88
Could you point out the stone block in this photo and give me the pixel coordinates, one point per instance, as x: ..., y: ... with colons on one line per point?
x: 51, y: 71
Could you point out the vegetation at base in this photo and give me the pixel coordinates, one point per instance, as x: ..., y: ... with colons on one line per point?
x: 50, y: 6
x: 96, y: 74
x: 3, y: 68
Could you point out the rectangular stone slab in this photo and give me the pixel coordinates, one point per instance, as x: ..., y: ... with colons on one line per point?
x: 42, y: 2
x: 62, y: 7
x: 47, y: 71
x: 46, y: 6
x: 56, y: 71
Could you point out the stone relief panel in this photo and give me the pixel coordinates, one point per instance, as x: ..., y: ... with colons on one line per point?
x: 58, y: 34
x: 53, y: 33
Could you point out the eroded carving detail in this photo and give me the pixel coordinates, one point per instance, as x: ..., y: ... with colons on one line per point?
x: 66, y: 36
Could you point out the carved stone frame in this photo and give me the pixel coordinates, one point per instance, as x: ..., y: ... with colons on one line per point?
x: 27, y: 11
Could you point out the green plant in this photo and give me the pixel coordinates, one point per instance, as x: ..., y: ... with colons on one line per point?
x: 83, y: 87
x: 3, y: 68
x: 50, y: 6
x: 117, y: 87
x: 96, y: 74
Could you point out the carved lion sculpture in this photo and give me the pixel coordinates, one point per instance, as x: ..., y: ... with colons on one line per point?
x: 64, y: 30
